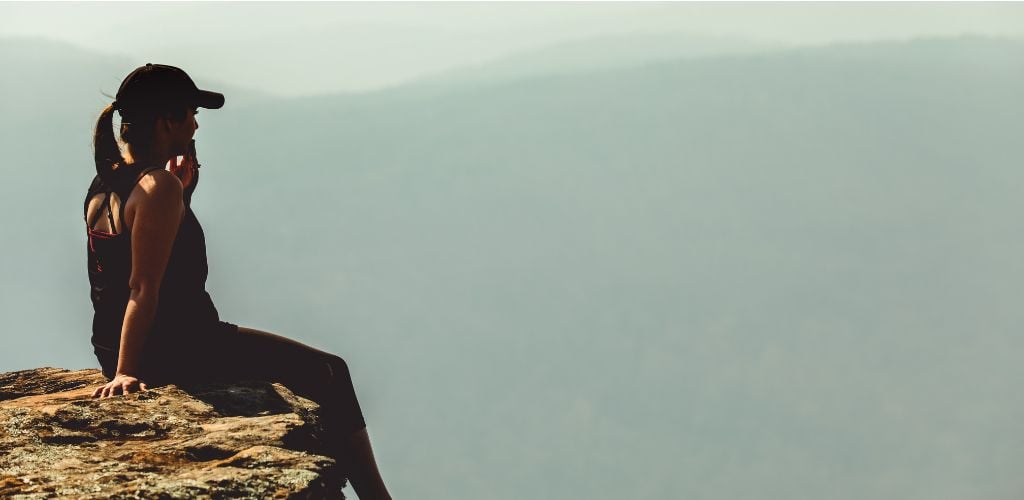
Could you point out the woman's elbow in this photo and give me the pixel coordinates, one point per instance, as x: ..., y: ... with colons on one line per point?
x: 144, y: 293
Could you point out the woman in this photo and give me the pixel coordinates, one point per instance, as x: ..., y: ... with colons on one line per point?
x: 154, y: 322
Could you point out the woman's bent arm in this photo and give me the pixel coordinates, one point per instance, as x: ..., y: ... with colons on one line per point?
x: 157, y: 216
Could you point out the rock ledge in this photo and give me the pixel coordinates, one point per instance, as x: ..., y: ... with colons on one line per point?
x: 244, y: 439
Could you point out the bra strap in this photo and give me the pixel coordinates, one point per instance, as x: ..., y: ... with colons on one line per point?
x: 105, y: 204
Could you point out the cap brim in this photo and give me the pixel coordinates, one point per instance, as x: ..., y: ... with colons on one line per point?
x: 210, y: 100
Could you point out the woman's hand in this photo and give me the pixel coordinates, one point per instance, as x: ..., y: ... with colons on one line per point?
x: 184, y: 169
x: 122, y: 384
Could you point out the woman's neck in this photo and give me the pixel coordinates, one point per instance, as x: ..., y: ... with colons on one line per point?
x: 152, y: 160
x: 157, y: 156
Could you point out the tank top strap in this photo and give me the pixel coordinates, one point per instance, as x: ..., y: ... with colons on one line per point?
x: 139, y: 178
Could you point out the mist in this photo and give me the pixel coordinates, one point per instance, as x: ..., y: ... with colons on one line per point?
x: 581, y: 250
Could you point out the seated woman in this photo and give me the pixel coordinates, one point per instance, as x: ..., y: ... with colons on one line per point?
x: 154, y: 321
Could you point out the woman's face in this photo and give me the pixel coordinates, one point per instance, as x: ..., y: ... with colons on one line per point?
x: 185, y: 131
x: 192, y: 124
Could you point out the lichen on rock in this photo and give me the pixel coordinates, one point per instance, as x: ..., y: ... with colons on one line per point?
x: 240, y: 439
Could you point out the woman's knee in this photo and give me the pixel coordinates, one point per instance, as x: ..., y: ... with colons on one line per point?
x: 293, y: 357
x: 338, y: 368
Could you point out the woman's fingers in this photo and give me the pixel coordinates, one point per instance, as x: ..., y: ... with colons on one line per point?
x: 118, y: 388
x: 183, y: 168
x: 108, y: 390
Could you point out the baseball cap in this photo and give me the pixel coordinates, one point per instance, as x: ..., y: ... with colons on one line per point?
x: 156, y: 86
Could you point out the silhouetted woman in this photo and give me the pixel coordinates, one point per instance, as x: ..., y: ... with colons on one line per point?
x: 154, y: 322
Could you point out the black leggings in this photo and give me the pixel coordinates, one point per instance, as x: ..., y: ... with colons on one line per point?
x: 230, y: 352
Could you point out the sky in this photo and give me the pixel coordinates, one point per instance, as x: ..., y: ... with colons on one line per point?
x: 325, y: 47
x: 798, y: 284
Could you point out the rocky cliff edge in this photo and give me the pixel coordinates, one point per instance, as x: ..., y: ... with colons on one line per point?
x: 244, y: 439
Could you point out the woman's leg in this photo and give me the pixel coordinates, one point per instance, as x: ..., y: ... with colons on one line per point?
x: 321, y: 377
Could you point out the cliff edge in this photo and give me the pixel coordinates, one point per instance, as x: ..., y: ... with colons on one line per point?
x: 244, y: 439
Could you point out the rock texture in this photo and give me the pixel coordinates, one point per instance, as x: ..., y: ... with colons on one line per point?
x: 246, y: 439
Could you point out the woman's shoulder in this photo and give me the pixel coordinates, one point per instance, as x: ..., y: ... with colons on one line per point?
x: 150, y: 177
x: 156, y: 187
x: 159, y: 185
x: 157, y: 175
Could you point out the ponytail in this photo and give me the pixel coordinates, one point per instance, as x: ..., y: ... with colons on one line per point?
x: 107, y: 152
x: 136, y: 132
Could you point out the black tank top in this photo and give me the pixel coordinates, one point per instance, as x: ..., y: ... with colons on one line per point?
x: 184, y: 309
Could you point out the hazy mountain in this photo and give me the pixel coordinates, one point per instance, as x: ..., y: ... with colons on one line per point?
x: 593, y: 53
x: 43, y: 77
x: 777, y: 275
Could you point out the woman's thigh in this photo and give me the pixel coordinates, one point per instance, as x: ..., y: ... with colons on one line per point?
x: 231, y: 352
x: 260, y: 355
x: 241, y: 353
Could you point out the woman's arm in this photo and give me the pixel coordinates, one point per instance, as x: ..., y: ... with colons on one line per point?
x: 157, y: 216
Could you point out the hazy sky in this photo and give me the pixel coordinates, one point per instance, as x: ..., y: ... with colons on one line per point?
x: 301, y: 48
x: 794, y: 276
